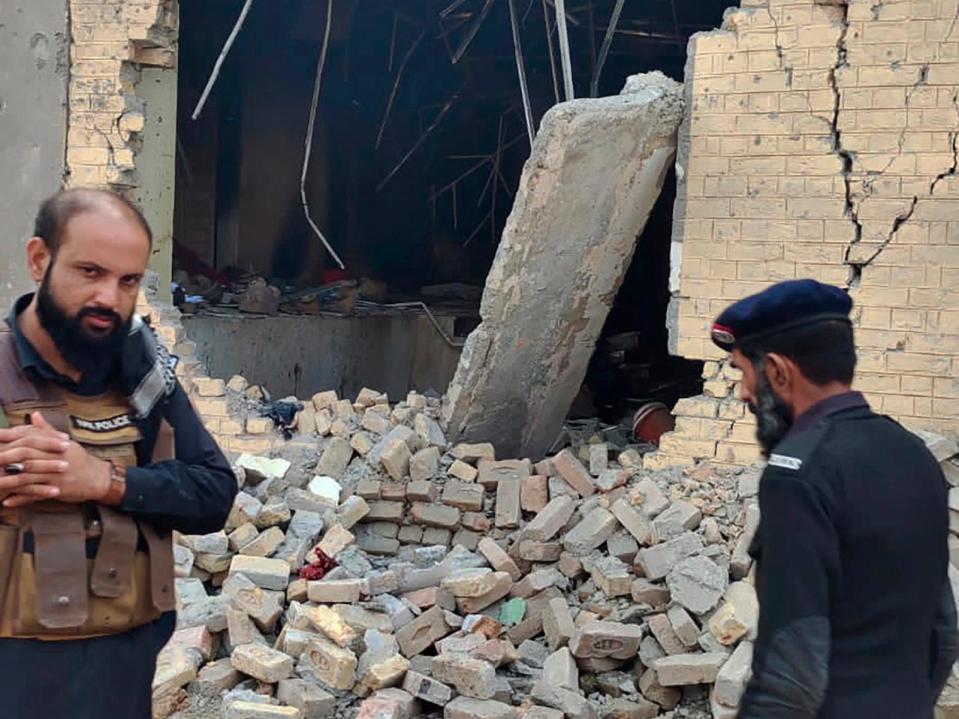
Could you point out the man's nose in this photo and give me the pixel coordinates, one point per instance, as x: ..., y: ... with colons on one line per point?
x: 744, y: 394
x: 107, y: 295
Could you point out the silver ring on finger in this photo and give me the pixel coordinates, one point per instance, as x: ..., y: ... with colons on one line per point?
x: 14, y: 468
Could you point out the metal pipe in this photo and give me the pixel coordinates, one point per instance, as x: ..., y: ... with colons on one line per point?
x: 309, y: 135
x: 219, y: 61
x: 521, y: 71
x: 604, y: 49
x: 564, y: 49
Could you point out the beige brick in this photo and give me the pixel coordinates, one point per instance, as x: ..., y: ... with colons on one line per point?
x: 755, y: 251
x: 742, y: 454
x: 907, y: 319
x: 713, y: 43
x: 696, y: 407
x: 743, y: 433
x: 230, y: 427
x: 714, y: 429
x: 817, y: 36
x: 922, y: 386
x: 88, y: 156
x: 944, y: 387
x: 732, y: 410
x: 716, y: 388
x: 897, y: 404
x: 945, y: 407
x: 868, y: 382
x: 912, y: 363
x: 923, y: 406
x: 87, y: 176
x: 213, y: 407
x: 875, y: 317
x: 770, y: 271
x: 675, y: 444
x: 259, y: 425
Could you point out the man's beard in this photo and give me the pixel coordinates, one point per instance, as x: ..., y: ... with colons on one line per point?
x: 773, y: 416
x: 86, y: 352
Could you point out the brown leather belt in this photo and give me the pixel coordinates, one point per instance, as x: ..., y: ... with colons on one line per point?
x: 92, y: 525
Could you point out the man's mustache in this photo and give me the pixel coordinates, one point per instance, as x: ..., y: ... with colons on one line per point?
x: 102, y: 314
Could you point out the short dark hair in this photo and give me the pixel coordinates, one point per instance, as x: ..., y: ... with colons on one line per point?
x: 58, y: 209
x: 824, y: 351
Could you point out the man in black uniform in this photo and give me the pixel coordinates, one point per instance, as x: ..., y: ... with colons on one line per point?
x: 101, y: 456
x: 857, y: 618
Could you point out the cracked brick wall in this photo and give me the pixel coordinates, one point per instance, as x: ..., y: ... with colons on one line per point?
x: 821, y: 141
x: 110, y: 41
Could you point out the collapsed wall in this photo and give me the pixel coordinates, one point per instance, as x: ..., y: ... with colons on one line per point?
x: 821, y: 141
x: 111, y: 40
x: 596, y: 168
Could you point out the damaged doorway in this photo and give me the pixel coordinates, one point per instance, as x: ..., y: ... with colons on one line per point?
x: 420, y: 138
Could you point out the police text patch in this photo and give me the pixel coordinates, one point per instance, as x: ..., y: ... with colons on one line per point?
x: 781, y: 460
x: 102, y: 426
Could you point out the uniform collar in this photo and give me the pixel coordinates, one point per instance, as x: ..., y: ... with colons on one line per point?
x: 828, y: 407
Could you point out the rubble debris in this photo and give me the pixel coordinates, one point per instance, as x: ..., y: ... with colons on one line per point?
x: 362, y: 594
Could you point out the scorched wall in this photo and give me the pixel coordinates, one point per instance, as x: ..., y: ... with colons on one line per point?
x: 821, y: 141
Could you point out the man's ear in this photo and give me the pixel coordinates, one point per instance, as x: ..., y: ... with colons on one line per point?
x: 778, y: 371
x: 38, y: 258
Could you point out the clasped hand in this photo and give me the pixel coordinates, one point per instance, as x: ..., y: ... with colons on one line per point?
x: 54, y: 466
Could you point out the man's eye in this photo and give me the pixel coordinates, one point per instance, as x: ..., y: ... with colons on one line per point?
x: 130, y: 281
x: 89, y: 271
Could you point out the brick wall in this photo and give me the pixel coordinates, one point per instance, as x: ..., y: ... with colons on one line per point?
x: 821, y: 141
x: 110, y: 40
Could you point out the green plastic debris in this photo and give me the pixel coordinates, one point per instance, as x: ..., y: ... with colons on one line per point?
x: 513, y: 611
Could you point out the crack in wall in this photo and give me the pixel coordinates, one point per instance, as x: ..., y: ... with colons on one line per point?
x: 952, y: 28
x: 955, y: 164
x: 873, y: 175
x: 900, y: 220
x: 852, y: 201
x: 847, y: 157
x: 955, y: 150
x: 150, y: 42
x: 904, y: 217
x: 780, y: 52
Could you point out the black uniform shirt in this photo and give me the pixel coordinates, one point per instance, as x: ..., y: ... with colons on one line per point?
x: 857, y: 618
x: 193, y: 493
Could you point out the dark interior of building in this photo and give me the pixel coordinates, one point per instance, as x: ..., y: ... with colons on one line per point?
x: 419, y: 141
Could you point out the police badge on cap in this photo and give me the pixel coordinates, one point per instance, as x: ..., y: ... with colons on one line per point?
x: 783, y: 306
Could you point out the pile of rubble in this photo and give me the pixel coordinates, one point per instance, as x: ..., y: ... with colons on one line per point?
x: 393, y: 576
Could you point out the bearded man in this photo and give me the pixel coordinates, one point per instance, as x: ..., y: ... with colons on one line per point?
x: 101, y: 457
x: 857, y: 618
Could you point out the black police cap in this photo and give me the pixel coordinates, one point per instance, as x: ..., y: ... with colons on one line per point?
x: 783, y: 306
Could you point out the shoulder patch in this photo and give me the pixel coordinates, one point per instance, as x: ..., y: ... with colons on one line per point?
x: 785, y: 462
